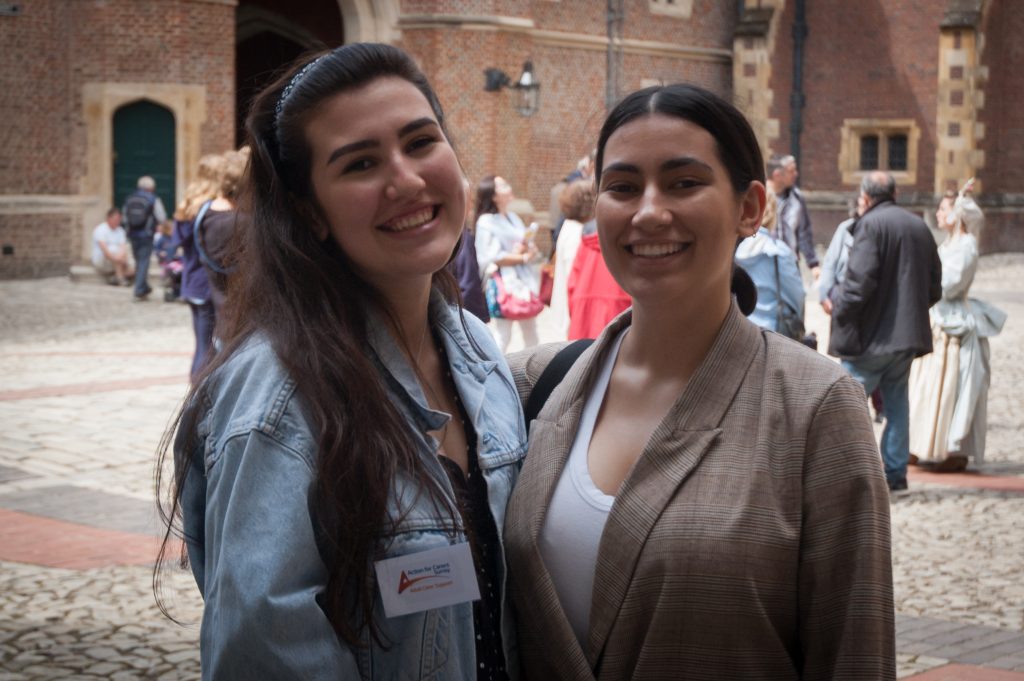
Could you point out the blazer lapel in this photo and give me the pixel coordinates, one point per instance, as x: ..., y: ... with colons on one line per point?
x: 551, y: 437
x: 676, y: 447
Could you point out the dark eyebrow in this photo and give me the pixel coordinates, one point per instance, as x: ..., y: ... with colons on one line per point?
x: 671, y: 164
x: 620, y: 167
x: 684, y: 161
x: 370, y: 144
x: 416, y: 125
x: 351, y: 148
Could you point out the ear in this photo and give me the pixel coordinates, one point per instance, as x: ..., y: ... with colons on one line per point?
x: 752, y: 205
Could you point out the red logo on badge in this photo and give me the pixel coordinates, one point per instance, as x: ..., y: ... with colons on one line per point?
x: 404, y: 582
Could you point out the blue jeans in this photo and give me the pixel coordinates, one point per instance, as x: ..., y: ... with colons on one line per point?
x: 203, y: 321
x: 142, y: 250
x: 890, y: 373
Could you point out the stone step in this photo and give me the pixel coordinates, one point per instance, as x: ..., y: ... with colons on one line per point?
x: 87, y: 274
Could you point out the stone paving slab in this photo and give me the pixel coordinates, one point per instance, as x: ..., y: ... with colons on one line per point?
x: 44, y: 542
x: 959, y: 672
x: 11, y: 473
x: 53, y: 625
x: 86, y: 506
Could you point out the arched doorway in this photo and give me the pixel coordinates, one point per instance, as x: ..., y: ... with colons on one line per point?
x: 144, y: 145
x: 267, y: 41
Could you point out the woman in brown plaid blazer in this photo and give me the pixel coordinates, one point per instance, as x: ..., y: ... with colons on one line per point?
x: 702, y: 499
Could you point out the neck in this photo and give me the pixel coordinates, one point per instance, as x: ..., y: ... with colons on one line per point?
x: 409, y: 305
x: 672, y: 340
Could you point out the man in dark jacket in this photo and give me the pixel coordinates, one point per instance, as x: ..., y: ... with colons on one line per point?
x: 880, y: 311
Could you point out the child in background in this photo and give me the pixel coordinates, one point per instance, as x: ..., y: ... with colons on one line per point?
x: 170, y: 262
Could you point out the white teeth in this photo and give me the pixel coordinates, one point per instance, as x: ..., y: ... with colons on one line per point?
x: 410, y: 221
x: 656, y: 250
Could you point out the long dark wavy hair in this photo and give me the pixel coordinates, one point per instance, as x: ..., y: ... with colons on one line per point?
x: 303, y: 295
x: 735, y: 143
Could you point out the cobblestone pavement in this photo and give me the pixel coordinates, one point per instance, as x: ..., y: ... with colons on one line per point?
x: 89, y: 381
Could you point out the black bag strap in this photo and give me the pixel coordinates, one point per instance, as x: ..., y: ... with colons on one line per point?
x: 552, y: 375
x: 197, y: 237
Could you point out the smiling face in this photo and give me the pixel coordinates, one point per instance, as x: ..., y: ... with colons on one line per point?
x: 386, y: 181
x: 667, y: 213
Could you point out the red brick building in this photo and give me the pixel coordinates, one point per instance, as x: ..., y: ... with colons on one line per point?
x: 97, y: 92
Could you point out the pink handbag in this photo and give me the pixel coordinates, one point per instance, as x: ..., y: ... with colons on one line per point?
x: 510, y: 306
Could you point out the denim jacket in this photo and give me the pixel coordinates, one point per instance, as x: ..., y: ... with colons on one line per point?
x: 250, y: 532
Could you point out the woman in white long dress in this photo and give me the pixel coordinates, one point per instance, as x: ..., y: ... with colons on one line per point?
x: 949, y: 388
x: 501, y: 242
x: 577, y: 205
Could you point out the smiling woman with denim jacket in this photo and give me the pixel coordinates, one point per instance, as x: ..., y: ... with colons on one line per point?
x: 353, y: 419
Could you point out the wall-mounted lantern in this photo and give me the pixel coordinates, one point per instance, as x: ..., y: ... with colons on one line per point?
x: 526, y: 89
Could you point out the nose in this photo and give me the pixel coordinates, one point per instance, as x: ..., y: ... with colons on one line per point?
x: 651, y: 213
x: 405, y: 180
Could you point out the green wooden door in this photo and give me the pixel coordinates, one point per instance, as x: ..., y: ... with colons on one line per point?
x: 144, y: 145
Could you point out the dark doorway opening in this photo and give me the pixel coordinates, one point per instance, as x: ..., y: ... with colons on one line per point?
x: 258, y: 59
x: 267, y: 42
x: 144, y: 145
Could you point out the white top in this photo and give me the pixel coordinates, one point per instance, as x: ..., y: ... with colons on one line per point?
x: 565, y: 254
x: 114, y: 239
x: 496, y: 237
x: 572, y: 529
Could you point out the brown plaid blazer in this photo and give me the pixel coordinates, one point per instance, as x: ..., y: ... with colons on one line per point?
x: 750, y: 540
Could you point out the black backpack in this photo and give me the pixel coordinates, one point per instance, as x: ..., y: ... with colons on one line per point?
x: 138, y: 211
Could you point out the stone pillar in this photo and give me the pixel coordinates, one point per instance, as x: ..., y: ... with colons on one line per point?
x: 960, y: 97
x: 753, y: 47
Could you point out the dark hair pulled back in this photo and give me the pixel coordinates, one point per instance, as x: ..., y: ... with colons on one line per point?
x: 735, y: 144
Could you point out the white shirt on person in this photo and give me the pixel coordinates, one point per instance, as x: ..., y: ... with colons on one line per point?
x: 114, y: 238
x: 571, y: 534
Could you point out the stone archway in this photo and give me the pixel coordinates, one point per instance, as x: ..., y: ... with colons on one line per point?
x: 187, y: 103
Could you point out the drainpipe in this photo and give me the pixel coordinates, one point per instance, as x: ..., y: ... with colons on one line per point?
x: 796, y: 98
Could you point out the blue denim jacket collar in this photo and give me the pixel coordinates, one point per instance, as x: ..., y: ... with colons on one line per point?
x: 469, y: 370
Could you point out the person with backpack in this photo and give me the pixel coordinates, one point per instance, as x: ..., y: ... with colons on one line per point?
x: 142, y: 212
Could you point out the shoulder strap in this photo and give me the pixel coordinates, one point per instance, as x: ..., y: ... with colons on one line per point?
x: 552, y: 375
x: 197, y: 237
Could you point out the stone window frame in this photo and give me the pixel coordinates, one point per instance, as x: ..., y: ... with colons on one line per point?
x: 682, y: 9
x: 854, y: 129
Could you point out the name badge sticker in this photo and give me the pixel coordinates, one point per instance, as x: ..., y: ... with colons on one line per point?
x: 427, y: 579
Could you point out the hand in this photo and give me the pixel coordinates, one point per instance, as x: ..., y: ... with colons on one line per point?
x: 816, y: 271
x: 826, y: 305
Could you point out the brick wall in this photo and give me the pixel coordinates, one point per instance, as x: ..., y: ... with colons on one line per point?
x: 534, y: 153
x: 42, y: 243
x: 861, y: 60
x: 1003, y: 114
x: 54, y: 48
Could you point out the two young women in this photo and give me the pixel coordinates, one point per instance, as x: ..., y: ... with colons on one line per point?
x: 354, y: 416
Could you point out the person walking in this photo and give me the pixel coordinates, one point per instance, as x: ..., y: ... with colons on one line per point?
x: 143, y: 211
x: 342, y: 465
x: 702, y: 498
x: 773, y: 269
x: 195, y: 285
x: 793, y: 224
x: 949, y: 388
x: 880, y: 310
